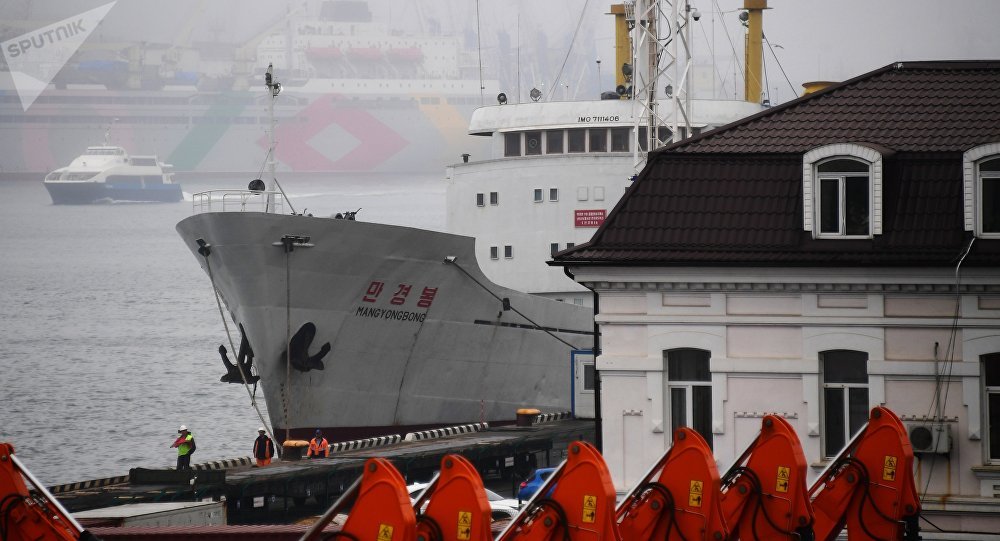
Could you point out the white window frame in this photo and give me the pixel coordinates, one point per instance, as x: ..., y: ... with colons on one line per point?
x: 539, y: 195
x: 810, y: 185
x: 553, y: 194
x: 845, y: 387
x: 688, y: 387
x: 494, y: 198
x: 840, y: 177
x: 480, y: 199
x: 972, y: 185
x: 508, y: 251
x: 988, y: 390
x: 494, y: 252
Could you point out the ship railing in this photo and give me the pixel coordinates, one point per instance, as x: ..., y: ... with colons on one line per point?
x: 238, y: 201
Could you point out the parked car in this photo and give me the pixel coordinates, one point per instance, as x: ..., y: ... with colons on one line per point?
x: 533, y: 483
x: 498, y: 500
x: 500, y: 508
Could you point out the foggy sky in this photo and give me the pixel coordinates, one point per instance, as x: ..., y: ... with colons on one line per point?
x: 813, y: 39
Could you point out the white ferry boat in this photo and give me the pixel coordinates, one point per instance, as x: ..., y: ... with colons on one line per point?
x: 107, y: 173
x: 365, y: 329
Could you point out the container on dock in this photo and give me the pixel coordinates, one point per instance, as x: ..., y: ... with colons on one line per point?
x: 155, y: 514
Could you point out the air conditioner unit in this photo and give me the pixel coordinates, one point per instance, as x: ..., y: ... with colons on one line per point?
x: 929, y: 437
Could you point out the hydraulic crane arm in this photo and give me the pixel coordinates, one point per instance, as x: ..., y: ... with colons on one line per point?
x: 381, y: 509
x: 31, y: 515
x: 581, y: 506
x: 764, y: 493
x: 869, y: 487
x: 683, y: 502
x: 458, y: 509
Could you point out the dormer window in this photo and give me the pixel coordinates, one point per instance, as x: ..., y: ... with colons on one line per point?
x: 842, y: 191
x: 989, y: 192
x: 844, y: 207
x: 981, y: 168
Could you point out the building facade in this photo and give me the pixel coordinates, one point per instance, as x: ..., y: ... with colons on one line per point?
x: 815, y: 260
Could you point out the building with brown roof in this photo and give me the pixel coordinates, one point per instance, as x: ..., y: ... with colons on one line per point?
x: 831, y: 254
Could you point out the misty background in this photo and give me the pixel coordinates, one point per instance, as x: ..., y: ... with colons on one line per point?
x: 525, y: 43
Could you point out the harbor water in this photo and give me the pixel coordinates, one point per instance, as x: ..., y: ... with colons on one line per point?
x: 110, y: 328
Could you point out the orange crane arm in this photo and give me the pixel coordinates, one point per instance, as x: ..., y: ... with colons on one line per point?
x: 764, y: 493
x: 581, y: 506
x: 27, y: 515
x: 683, y: 503
x: 869, y: 488
x: 458, y: 509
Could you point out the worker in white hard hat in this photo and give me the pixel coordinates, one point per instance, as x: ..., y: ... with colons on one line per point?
x: 185, y: 446
x: 263, y: 448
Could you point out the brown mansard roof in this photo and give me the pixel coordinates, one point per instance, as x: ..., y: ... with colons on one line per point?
x: 733, y: 196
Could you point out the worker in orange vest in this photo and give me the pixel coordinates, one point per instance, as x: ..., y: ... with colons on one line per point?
x: 263, y: 448
x: 318, y: 446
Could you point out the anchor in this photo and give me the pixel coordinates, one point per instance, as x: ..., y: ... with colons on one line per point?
x: 244, y: 358
x: 298, y: 351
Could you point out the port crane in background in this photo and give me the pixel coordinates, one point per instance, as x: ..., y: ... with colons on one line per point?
x: 868, y: 490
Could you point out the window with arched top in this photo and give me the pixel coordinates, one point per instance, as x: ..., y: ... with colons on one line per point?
x: 689, y: 390
x: 845, y: 397
x: 981, y: 172
x: 842, y: 191
x: 843, y: 197
x: 989, y: 195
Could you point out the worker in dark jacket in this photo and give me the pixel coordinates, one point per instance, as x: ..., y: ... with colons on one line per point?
x: 318, y: 446
x: 263, y: 448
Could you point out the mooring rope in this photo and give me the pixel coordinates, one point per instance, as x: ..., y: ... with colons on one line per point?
x: 205, y: 251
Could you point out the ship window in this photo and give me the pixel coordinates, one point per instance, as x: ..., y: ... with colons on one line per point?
x: 598, y: 140
x: 619, y: 139
x: 570, y: 245
x: 845, y: 397
x: 581, y: 193
x: 532, y: 143
x: 554, y: 248
x: 127, y: 180
x: 152, y: 179
x: 553, y: 194
x: 512, y: 144
x: 494, y: 252
x: 480, y: 200
x: 598, y: 193
x: 494, y: 198
x: 508, y: 251
x: 554, y: 142
x: 538, y: 195
x: 577, y: 139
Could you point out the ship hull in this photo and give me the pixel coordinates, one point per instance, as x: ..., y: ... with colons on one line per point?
x: 84, y: 193
x: 413, y: 341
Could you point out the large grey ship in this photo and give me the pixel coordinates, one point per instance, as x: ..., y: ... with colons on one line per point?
x: 392, y: 328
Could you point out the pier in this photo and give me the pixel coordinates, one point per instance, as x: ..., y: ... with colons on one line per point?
x: 289, y: 490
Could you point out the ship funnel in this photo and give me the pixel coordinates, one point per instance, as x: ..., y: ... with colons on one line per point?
x: 816, y: 86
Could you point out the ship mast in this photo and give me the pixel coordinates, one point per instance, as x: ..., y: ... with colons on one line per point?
x: 273, y: 89
x: 652, y: 57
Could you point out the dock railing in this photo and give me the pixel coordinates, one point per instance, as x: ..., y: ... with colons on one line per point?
x: 238, y: 201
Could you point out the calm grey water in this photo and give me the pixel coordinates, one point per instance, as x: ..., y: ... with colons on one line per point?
x: 109, y: 329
